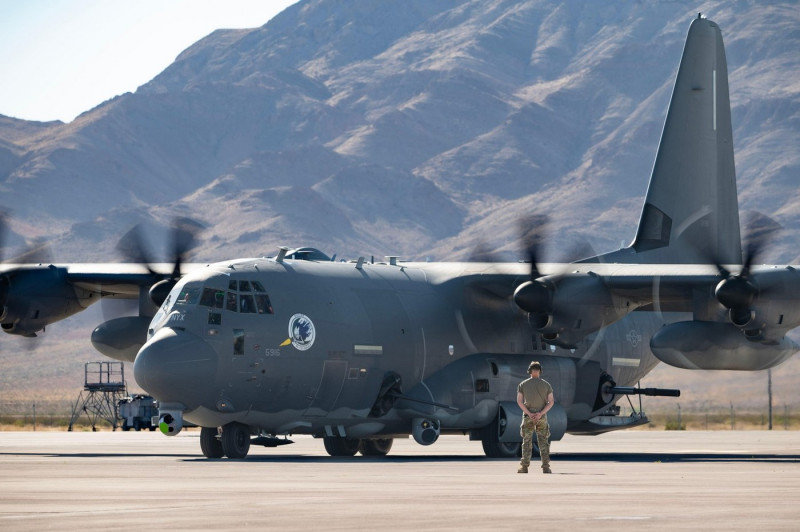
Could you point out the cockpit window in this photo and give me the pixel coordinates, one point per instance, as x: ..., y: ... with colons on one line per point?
x: 246, y: 304
x: 167, y: 304
x: 188, y: 296
x: 212, y: 298
x: 247, y: 297
x: 263, y: 304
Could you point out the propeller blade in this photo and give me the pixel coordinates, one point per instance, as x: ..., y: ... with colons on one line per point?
x: 737, y: 291
x: 578, y: 250
x: 36, y: 251
x: 3, y: 232
x: 133, y: 248
x: 533, y: 232
x: 760, y: 230
x: 117, y: 308
x: 184, y: 239
x: 482, y: 253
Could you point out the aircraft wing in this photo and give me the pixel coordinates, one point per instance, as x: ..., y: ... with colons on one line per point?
x: 118, y: 280
x: 34, y: 295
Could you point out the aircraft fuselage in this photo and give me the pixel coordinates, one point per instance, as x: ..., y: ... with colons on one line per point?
x: 358, y: 350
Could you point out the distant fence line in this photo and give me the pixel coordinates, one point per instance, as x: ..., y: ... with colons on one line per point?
x: 711, y: 416
x: 45, y: 408
x: 694, y: 417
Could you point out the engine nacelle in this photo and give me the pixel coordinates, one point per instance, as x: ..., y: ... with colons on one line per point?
x: 714, y: 345
x: 565, y: 309
x: 425, y: 431
x: 32, y: 297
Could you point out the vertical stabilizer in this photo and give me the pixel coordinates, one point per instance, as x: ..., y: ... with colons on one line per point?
x: 691, y: 212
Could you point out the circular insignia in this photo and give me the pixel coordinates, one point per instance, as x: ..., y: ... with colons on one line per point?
x: 301, y: 332
x: 634, y: 338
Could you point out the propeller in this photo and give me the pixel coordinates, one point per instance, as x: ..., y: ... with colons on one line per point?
x: 533, y: 231
x: 738, y: 291
x: 183, y: 238
x: 535, y: 296
x: 564, y: 307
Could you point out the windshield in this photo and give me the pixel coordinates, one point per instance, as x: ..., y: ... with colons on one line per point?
x: 188, y: 295
x: 180, y: 297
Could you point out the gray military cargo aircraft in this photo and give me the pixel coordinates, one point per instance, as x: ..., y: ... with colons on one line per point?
x: 359, y: 353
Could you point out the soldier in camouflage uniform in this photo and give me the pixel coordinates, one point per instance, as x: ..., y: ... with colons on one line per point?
x: 535, y: 398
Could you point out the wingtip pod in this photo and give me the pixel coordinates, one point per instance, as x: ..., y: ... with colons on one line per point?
x: 691, y: 208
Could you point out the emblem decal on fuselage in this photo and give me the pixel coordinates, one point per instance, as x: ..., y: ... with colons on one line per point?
x: 634, y: 337
x: 301, y: 332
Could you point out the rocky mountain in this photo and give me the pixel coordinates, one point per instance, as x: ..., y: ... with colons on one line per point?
x: 419, y: 128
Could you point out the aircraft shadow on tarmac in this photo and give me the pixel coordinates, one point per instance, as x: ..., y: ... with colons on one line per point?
x: 560, y: 457
x: 399, y: 459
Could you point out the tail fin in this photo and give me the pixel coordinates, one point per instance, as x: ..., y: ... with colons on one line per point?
x: 691, y: 212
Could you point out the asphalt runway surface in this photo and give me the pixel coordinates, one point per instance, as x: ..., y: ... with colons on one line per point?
x: 630, y: 480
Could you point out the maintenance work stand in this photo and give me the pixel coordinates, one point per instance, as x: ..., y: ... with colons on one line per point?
x: 104, y: 386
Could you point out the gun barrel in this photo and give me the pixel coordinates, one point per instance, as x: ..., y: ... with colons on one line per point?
x: 630, y: 390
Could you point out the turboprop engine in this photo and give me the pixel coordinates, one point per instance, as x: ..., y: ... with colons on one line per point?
x: 567, y: 308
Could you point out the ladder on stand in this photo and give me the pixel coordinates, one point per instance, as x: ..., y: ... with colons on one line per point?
x: 104, y: 386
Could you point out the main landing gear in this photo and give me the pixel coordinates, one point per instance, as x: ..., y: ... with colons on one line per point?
x: 233, y: 442
x: 336, y: 446
x: 491, y: 436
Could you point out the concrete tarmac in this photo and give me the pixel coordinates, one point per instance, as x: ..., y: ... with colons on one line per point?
x: 630, y: 480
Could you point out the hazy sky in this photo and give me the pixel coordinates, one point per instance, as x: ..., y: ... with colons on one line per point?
x: 59, y: 58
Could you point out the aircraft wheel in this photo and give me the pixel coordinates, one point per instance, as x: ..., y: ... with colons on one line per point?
x: 336, y: 446
x: 235, y: 440
x: 210, y: 444
x: 379, y: 447
x: 493, y: 447
x: 501, y: 449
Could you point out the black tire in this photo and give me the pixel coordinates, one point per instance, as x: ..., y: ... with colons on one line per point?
x: 210, y: 444
x: 336, y: 446
x: 493, y: 447
x: 380, y: 447
x: 235, y: 440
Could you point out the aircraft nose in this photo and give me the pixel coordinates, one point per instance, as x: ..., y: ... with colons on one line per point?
x: 174, y: 365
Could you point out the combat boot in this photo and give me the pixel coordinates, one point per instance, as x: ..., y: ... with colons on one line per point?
x: 522, y: 469
x: 546, y: 469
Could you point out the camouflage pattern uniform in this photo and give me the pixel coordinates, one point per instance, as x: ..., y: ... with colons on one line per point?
x: 535, y: 392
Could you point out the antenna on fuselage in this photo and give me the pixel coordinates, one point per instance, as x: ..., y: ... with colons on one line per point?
x: 282, y: 254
